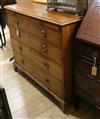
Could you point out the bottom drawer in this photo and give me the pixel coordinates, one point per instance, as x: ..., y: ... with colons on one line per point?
x: 41, y: 75
x: 89, y: 86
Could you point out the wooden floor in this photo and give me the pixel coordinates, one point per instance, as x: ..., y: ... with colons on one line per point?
x: 27, y: 102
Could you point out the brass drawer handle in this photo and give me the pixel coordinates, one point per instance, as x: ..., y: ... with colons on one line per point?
x: 27, y: 24
x: 44, y: 48
x: 31, y: 50
x: 46, y: 64
x: 47, y: 80
x: 43, y: 33
x: 20, y: 48
x: 22, y: 61
x: 29, y: 36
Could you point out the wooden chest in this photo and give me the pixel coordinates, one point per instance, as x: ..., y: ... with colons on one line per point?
x: 87, y: 72
x: 42, y: 44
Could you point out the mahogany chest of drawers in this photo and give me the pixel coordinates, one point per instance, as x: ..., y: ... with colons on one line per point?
x: 42, y: 46
x: 87, y: 63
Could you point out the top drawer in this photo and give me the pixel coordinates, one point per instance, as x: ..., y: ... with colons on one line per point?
x: 30, y: 25
x: 25, y: 23
x: 11, y: 18
x: 88, y: 51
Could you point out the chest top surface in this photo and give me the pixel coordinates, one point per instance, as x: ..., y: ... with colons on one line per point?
x: 39, y: 11
x: 90, y: 27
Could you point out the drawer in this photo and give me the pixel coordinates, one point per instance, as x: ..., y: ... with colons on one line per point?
x: 32, y: 68
x: 55, y: 70
x: 27, y: 39
x: 88, y: 50
x: 54, y: 86
x: 89, y: 86
x: 12, y: 31
x: 85, y: 67
x: 11, y: 18
x: 30, y: 25
x: 17, y: 46
x: 20, y: 60
x: 54, y: 54
x: 53, y: 34
x: 25, y: 23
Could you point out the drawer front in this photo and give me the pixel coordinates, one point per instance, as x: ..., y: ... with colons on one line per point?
x: 85, y: 67
x: 20, y: 60
x: 89, y: 86
x: 53, y: 34
x: 55, y: 70
x: 88, y: 51
x: 33, y: 69
x: 30, y: 25
x: 54, y: 54
x: 37, y: 44
x: 27, y: 39
x: 13, y: 32
x: 25, y: 23
x: 11, y: 18
x: 17, y: 46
